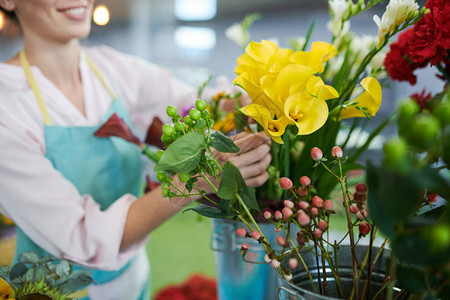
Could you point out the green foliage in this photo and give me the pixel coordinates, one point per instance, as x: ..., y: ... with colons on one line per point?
x: 43, y: 276
x: 210, y: 211
x: 183, y: 155
x: 223, y: 143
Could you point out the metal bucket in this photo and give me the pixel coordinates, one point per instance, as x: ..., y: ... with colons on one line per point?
x: 301, y: 288
x: 237, y: 279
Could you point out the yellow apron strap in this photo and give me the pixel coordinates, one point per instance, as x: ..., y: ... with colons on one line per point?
x: 99, y: 75
x: 32, y: 82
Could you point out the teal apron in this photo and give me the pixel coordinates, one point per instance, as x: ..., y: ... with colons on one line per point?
x: 106, y: 168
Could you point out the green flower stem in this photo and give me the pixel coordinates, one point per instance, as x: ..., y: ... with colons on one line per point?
x: 149, y: 153
x: 214, y: 159
x: 333, y: 268
x: 304, y: 265
x: 392, y: 279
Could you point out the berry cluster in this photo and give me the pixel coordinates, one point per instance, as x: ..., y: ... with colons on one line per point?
x: 198, y: 120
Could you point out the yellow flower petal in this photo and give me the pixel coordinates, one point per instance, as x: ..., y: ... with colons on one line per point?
x: 261, y: 52
x: 320, y: 53
x: 273, y: 128
x: 371, y: 99
x: 318, y: 89
x: 307, y: 113
x: 5, y: 290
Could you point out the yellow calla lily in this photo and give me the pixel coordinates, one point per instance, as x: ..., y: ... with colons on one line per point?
x: 273, y: 128
x: 318, y: 89
x: 6, y: 291
x: 320, y: 53
x: 306, y: 112
x: 371, y: 99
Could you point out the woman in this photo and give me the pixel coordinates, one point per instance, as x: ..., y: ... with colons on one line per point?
x: 73, y: 195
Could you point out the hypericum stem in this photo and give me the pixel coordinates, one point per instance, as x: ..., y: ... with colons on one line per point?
x: 149, y: 153
x: 214, y: 158
x: 333, y: 267
x: 209, y: 182
x: 304, y: 265
x: 319, y: 280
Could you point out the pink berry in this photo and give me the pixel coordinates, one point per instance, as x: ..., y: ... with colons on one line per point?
x: 281, y: 241
x: 336, y: 152
x: 303, y: 205
x: 275, y: 263
x: 328, y: 204
x: 278, y: 215
x: 289, y: 203
x: 361, y: 188
x: 362, y: 214
x: 244, y: 246
x: 314, y: 211
x: 267, y: 214
x: 316, y: 153
x: 354, y: 208
x: 293, y: 263
x: 302, y: 192
x: 303, y: 219
x: 241, y: 232
x: 276, y: 229
x: 317, y: 201
x: 304, y: 180
x: 322, y: 225
x: 432, y: 197
x: 256, y: 235
x: 285, y: 183
x: 267, y: 258
x: 318, y: 233
x: 364, y: 228
x: 287, y: 212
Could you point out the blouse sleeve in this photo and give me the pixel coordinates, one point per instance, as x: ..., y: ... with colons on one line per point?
x: 48, y: 207
x: 145, y: 88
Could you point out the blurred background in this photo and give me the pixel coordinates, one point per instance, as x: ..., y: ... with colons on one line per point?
x: 188, y: 38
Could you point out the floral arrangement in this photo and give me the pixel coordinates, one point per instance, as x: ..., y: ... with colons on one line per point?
x: 41, y: 278
x: 299, y: 98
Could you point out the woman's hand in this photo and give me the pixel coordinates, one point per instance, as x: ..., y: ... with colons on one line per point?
x: 253, y: 159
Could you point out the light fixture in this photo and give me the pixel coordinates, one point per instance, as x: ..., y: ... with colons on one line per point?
x: 195, y: 10
x: 195, y: 38
x: 101, y: 15
x: 2, y: 20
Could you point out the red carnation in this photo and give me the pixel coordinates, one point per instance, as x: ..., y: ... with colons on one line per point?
x: 431, y: 38
x: 398, y: 63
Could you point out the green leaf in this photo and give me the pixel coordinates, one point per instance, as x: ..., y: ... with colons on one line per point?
x: 28, y: 258
x: 248, y: 196
x: 231, y: 183
x: 62, y: 268
x: 183, y: 155
x: 210, y: 211
x: 223, y: 143
x: 412, y: 279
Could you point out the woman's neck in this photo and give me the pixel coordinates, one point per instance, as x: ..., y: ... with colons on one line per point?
x: 60, y: 64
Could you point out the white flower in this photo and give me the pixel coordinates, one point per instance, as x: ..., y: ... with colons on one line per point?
x: 361, y: 46
x: 395, y: 14
x: 378, y: 60
x: 339, y: 8
x: 297, y: 42
x: 236, y: 34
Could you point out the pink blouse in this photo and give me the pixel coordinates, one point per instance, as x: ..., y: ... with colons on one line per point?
x: 47, y: 206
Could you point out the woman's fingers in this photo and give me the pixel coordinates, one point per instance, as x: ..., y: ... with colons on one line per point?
x: 256, y: 169
x: 250, y: 157
x: 246, y: 141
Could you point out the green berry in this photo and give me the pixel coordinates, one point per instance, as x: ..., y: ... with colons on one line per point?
x: 195, y: 114
x: 205, y: 114
x: 168, y: 130
x: 184, y: 177
x: 171, y: 111
x: 211, y: 123
x: 161, y: 176
x: 200, y: 105
x: 423, y: 132
x: 396, y: 155
x: 180, y: 127
x: 442, y: 112
x: 187, y: 120
x: 165, y: 192
x: 166, y: 139
x: 200, y: 124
